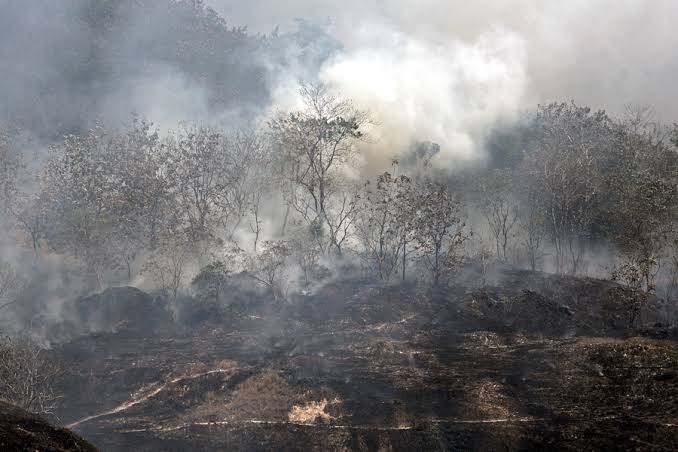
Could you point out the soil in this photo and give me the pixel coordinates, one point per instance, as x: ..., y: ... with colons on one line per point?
x: 531, y: 361
x: 21, y: 431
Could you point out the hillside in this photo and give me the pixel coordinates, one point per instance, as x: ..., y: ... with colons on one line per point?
x: 20, y: 431
x: 534, y: 361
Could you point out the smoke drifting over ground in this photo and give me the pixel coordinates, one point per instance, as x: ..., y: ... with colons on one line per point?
x: 447, y: 71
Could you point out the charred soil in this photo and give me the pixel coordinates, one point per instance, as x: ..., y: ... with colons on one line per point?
x: 20, y: 431
x: 533, y: 361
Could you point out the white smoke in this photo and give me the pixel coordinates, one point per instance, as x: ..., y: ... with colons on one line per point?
x: 448, y: 92
x: 447, y: 70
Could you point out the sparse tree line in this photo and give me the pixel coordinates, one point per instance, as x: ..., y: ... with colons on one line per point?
x: 283, y: 203
x: 587, y: 181
x: 285, y: 207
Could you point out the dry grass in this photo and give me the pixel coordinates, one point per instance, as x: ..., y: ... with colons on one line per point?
x: 487, y: 339
x: 263, y: 397
x: 488, y: 401
x: 309, y: 413
x: 227, y: 364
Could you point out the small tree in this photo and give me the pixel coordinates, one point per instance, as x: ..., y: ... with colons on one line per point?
x: 531, y: 223
x: 306, y: 253
x: 632, y: 276
x: 11, y: 285
x: 383, y: 224
x: 270, y: 265
x: 33, y: 221
x: 644, y: 232
x: 248, y: 181
x: 439, y: 230
x: 212, y: 279
x: 317, y: 146
x: 672, y: 289
x: 28, y: 376
x: 500, y: 209
x: 561, y: 170
x: 11, y: 166
x: 167, y: 264
x: 81, y: 195
x: 198, y: 167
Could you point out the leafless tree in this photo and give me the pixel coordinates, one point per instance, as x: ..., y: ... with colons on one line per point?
x: 81, y: 198
x: 249, y: 181
x: 439, y: 230
x: 383, y: 224
x: 167, y: 264
x: 500, y: 209
x: 645, y: 178
x: 562, y: 169
x: 32, y: 221
x: 269, y: 266
x: 11, y: 166
x: 306, y: 254
x: 198, y: 168
x: 28, y: 376
x: 318, y: 144
x: 11, y: 285
x: 531, y: 223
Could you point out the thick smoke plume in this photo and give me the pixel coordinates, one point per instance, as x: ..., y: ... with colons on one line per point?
x: 447, y: 71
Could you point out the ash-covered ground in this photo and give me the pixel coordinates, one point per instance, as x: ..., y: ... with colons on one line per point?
x: 532, y: 362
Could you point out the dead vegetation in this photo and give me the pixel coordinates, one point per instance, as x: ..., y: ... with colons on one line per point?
x: 310, y: 412
x: 28, y: 376
x: 430, y: 370
x: 263, y: 397
x: 486, y: 400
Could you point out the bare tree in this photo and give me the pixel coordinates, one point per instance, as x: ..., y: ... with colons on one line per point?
x: 249, y: 181
x: 11, y: 166
x: 306, y: 254
x: 28, y: 376
x: 561, y: 167
x: 269, y: 266
x: 531, y: 222
x: 318, y: 144
x: 143, y: 204
x: 167, y: 264
x: 81, y: 198
x: 11, y: 285
x: 198, y: 167
x: 33, y: 221
x: 382, y: 224
x: 645, y: 195
x: 499, y: 207
x: 439, y: 230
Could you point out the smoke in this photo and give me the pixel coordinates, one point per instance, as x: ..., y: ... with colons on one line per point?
x: 442, y: 71
x: 165, y: 96
x: 448, y: 70
x: 450, y: 93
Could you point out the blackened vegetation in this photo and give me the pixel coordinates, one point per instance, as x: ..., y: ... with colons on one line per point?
x: 297, y: 296
x: 20, y: 431
x: 527, y: 361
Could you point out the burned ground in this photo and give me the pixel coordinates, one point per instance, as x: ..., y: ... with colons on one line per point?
x: 20, y: 431
x: 534, y: 361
